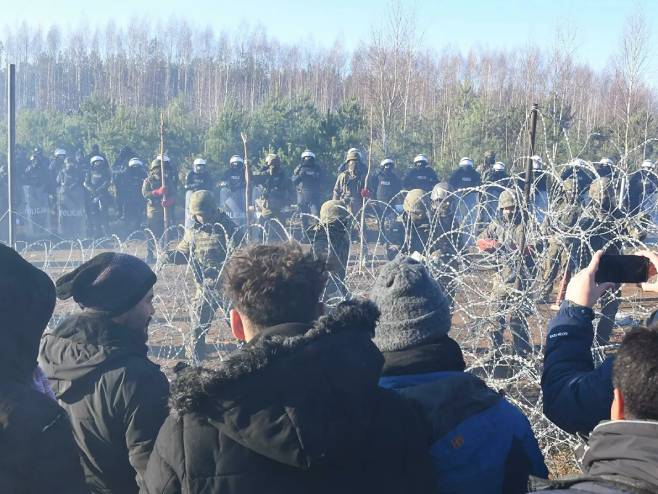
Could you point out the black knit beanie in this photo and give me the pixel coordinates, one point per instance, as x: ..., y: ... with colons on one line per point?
x: 109, y: 282
x: 414, y: 309
x: 27, y: 300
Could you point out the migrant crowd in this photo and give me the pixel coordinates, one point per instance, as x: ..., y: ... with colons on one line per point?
x: 371, y: 395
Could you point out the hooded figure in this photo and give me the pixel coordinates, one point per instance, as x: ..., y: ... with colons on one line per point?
x: 38, y: 453
x: 96, y: 363
x: 497, y: 446
x: 296, y: 410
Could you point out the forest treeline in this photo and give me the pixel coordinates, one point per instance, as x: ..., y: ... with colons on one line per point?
x: 392, y: 94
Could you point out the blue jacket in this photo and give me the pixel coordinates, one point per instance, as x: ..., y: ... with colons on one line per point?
x: 577, y: 396
x: 483, y: 443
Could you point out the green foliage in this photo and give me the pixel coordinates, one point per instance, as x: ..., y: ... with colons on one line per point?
x: 289, y: 126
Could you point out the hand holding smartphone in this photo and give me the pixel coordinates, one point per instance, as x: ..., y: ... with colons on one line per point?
x: 623, y: 269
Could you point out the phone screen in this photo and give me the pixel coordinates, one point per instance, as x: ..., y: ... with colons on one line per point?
x: 622, y: 269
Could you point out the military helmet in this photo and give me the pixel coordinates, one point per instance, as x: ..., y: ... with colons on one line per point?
x: 570, y: 186
x: 507, y: 199
x: 135, y: 162
x: 499, y: 166
x: 272, y: 159
x: 308, y: 154
x: 578, y: 162
x: 421, y: 158
x: 466, y: 161
x: 164, y: 158
x: 414, y: 202
x: 202, y: 203
x: 648, y: 165
x: 599, y: 189
x: 386, y: 162
x: 199, y: 161
x: 353, y: 154
x: 332, y: 211
x: 155, y: 165
x: 60, y: 152
x: 236, y: 159
x: 440, y: 192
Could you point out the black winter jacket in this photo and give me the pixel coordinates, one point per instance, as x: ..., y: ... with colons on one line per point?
x: 297, y: 410
x: 622, y: 457
x: 37, y: 451
x: 116, y: 397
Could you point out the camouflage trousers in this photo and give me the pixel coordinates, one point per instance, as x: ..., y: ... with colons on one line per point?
x: 207, y: 300
x: 555, y: 263
x: 512, y: 312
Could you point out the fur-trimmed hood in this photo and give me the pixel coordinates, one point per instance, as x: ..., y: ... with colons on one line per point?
x: 295, y: 399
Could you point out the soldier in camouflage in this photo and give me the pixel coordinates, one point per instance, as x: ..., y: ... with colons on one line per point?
x: 502, y: 238
x: 601, y: 227
x: 410, y: 232
x: 560, y: 228
x: 330, y: 239
x: 204, y: 248
x: 351, y: 184
x: 157, y: 198
x: 446, y: 241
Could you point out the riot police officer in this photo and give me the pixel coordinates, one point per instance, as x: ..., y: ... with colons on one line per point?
x: 421, y: 176
x: 307, y: 179
x: 198, y: 178
x: 134, y: 200
x: 235, y: 181
x: 275, y: 195
x: 97, y: 184
x: 386, y: 184
x: 70, y: 200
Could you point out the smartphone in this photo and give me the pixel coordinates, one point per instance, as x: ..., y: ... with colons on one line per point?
x: 622, y: 269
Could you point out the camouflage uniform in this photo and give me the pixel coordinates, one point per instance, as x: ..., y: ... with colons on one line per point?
x: 600, y: 228
x: 151, y: 190
x: 559, y: 230
x: 510, y: 283
x: 410, y: 232
x: 330, y: 239
x: 350, y: 183
x: 445, y: 239
x: 205, y: 248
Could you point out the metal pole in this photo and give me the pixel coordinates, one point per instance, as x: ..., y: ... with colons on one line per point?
x: 165, y: 209
x: 11, y: 147
x: 526, y: 191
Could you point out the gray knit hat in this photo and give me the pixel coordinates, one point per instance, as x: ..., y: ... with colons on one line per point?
x: 414, y: 309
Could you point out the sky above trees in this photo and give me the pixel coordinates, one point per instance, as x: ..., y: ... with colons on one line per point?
x: 593, y: 26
